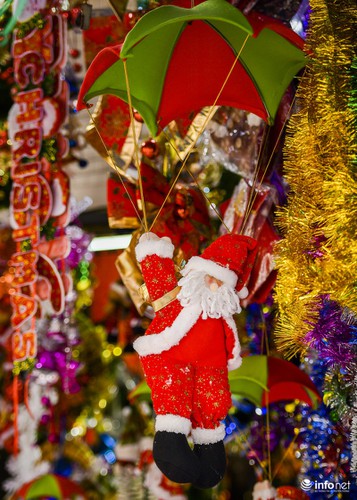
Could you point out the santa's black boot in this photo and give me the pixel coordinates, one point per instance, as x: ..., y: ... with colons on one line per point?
x: 212, y: 458
x: 175, y: 458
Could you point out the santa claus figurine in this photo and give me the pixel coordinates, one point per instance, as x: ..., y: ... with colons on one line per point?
x: 188, y: 349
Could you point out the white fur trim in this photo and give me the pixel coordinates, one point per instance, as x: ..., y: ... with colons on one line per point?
x: 243, y: 293
x: 162, y: 247
x: 146, y: 443
x: 173, y: 423
x: 153, y: 480
x: 219, y: 272
x: 156, y: 343
x: 234, y: 363
x: 208, y: 436
x: 263, y: 490
x: 236, y: 360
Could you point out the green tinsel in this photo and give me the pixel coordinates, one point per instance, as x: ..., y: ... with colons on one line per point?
x: 36, y: 21
x: 5, y: 187
x: 48, y: 230
x: 48, y: 84
x: 26, y: 245
x: 49, y: 149
x: 337, y: 394
x: 22, y: 366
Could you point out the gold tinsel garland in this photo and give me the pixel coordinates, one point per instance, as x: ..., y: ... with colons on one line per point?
x: 318, y: 253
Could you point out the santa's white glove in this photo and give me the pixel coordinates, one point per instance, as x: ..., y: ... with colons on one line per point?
x: 151, y: 244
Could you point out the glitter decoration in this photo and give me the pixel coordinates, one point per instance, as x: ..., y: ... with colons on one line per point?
x: 318, y: 252
x: 332, y: 337
x: 324, y: 445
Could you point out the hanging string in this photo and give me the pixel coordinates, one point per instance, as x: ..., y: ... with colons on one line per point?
x: 255, y: 188
x: 212, y: 205
x: 246, y: 442
x: 136, y: 151
x: 268, y: 434
x: 265, y: 333
x: 15, y: 390
x: 264, y: 339
x: 115, y: 166
x: 285, y: 454
x: 208, y: 118
x: 262, y: 149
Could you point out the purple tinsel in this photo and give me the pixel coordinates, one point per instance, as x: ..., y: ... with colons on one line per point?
x: 79, y: 246
x: 332, y: 337
x: 58, y: 361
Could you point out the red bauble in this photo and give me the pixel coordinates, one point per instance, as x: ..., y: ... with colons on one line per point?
x: 77, y: 67
x: 74, y: 53
x: 150, y: 148
x: 130, y: 19
x: 137, y: 116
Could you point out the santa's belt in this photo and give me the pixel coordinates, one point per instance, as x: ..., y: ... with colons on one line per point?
x: 166, y: 299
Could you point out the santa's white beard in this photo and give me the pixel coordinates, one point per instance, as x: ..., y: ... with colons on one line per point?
x: 214, y: 304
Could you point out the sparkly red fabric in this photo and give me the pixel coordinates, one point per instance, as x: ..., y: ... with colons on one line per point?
x: 199, y: 393
x: 191, y: 378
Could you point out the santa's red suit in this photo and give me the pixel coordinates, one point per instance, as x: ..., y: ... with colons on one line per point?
x: 185, y: 357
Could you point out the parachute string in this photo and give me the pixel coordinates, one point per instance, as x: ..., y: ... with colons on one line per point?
x: 208, y: 118
x: 277, y: 468
x: 251, y: 201
x: 256, y: 186
x: 244, y: 441
x: 267, y: 416
x: 136, y: 150
x: 114, y: 165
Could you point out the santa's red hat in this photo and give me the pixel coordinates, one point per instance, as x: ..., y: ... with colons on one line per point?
x: 229, y: 258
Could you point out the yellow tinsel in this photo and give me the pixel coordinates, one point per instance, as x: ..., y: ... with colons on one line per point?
x: 322, y: 209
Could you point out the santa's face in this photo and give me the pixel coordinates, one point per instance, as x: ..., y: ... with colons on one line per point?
x: 212, y: 283
x: 216, y: 298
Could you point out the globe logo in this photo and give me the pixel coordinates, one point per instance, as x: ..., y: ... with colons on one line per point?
x: 306, y: 484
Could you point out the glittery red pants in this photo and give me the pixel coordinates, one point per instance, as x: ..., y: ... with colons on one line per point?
x: 196, y: 392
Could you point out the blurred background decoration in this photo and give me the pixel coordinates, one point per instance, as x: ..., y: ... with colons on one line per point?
x: 73, y: 422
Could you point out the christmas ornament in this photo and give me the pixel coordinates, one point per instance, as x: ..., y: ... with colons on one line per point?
x: 40, y: 190
x: 266, y: 379
x: 324, y: 445
x: 167, y: 51
x: 291, y: 493
x: 50, y: 485
x: 233, y: 139
x: 111, y: 117
x: 150, y: 149
x: 263, y: 490
x: 122, y: 213
x: 189, y: 348
x: 184, y: 219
